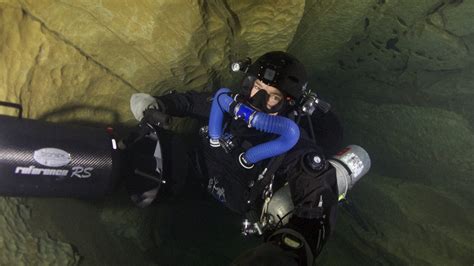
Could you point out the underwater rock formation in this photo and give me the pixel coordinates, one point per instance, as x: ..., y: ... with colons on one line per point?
x: 402, y: 82
x: 22, y: 247
x: 81, y: 55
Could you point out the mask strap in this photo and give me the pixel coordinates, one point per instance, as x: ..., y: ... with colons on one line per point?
x: 247, y: 85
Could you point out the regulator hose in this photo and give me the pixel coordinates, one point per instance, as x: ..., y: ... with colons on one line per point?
x: 286, y: 128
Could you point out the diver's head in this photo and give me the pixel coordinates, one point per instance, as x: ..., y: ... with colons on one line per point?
x: 266, y: 98
x: 275, y: 82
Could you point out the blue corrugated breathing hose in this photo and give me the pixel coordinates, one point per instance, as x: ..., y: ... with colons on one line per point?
x: 286, y: 128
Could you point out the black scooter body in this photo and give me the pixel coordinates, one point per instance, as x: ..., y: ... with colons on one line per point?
x: 40, y: 158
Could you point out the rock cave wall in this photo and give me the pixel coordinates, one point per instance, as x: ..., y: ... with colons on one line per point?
x: 399, y: 74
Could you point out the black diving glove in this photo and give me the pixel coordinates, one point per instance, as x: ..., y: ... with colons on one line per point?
x: 156, y: 117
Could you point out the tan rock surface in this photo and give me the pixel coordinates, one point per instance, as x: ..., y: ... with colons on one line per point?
x: 71, y: 59
x: 51, y: 78
x: 266, y: 23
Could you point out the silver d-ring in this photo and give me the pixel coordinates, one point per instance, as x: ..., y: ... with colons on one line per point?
x: 244, y: 163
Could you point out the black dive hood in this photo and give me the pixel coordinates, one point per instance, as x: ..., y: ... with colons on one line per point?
x: 277, y: 69
x: 282, y: 71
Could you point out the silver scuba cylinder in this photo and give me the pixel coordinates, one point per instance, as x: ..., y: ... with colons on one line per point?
x: 351, y: 164
x: 280, y: 206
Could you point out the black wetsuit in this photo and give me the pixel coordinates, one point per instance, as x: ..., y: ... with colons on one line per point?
x: 229, y: 182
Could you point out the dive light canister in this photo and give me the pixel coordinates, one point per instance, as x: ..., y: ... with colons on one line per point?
x: 39, y: 158
x: 351, y: 164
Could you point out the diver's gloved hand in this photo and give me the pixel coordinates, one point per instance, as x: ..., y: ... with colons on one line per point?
x: 140, y: 102
x: 157, y: 118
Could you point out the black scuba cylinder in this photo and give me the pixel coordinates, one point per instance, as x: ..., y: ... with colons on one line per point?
x: 40, y: 158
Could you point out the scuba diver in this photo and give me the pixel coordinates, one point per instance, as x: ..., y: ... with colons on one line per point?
x: 270, y: 152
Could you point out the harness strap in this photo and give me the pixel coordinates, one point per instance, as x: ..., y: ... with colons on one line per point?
x: 259, y: 185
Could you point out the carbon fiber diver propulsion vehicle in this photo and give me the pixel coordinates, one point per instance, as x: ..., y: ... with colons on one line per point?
x: 44, y: 159
x: 39, y: 158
